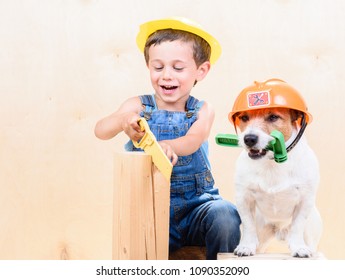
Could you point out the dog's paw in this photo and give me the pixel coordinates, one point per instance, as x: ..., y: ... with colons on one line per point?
x: 243, y: 250
x: 302, y: 252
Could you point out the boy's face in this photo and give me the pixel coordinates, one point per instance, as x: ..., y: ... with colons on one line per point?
x: 173, y: 71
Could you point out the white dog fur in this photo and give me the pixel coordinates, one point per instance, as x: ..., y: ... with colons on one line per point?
x: 276, y: 199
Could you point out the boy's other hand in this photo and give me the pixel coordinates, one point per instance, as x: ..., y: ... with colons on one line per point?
x: 169, y: 152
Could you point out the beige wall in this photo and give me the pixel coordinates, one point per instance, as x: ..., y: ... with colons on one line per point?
x: 65, y: 64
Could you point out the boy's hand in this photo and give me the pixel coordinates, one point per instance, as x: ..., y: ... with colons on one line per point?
x: 132, y: 128
x: 169, y: 152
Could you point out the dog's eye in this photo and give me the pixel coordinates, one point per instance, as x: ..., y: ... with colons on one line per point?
x: 272, y: 118
x: 244, y: 118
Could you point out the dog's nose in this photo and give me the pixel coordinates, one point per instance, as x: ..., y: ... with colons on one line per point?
x: 250, y: 140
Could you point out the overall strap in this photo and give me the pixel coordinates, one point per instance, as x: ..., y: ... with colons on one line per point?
x: 193, y: 105
x: 149, y: 105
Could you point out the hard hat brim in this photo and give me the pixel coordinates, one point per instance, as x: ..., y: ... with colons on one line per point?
x: 308, y: 116
x: 150, y: 27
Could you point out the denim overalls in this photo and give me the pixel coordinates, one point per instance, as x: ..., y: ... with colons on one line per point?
x: 198, y: 214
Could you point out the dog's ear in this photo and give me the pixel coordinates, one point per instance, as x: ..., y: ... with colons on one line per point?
x: 235, y: 120
x: 234, y: 117
x: 295, y: 115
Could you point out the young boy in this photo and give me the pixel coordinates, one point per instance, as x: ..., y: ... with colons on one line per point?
x: 179, y: 54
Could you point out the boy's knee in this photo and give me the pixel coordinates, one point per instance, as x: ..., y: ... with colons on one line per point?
x: 224, y: 232
x: 225, y: 214
x: 223, y: 208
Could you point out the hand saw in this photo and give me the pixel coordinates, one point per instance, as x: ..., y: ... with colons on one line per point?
x: 150, y: 145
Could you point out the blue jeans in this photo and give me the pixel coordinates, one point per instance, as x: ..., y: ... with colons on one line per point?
x: 198, y: 214
x: 203, y: 220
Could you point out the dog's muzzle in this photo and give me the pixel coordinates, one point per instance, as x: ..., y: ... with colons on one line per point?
x: 250, y: 140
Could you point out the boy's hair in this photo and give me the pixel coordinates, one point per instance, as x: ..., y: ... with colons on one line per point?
x: 201, y: 49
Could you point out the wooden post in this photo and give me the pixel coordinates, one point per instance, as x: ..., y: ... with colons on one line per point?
x: 161, y: 200
x: 141, y: 209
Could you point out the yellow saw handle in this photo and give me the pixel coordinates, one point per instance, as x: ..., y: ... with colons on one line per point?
x: 150, y: 145
x: 148, y: 137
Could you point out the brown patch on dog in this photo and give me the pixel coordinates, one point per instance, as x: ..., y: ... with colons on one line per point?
x: 281, y: 119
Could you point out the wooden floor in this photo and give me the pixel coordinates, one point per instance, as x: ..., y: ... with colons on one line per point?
x: 267, y: 256
x: 199, y: 253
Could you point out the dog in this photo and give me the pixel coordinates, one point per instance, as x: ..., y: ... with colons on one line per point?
x: 276, y: 199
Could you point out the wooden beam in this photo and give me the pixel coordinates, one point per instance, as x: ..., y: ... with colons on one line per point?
x: 141, y: 209
x: 161, y: 195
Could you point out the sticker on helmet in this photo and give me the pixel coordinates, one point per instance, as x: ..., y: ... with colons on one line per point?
x: 257, y: 99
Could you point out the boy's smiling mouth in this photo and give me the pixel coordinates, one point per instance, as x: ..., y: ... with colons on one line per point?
x: 168, y: 89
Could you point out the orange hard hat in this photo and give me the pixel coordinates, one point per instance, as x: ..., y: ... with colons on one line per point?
x: 273, y: 93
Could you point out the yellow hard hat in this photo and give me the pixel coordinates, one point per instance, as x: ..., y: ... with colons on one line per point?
x: 273, y: 93
x: 178, y: 23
